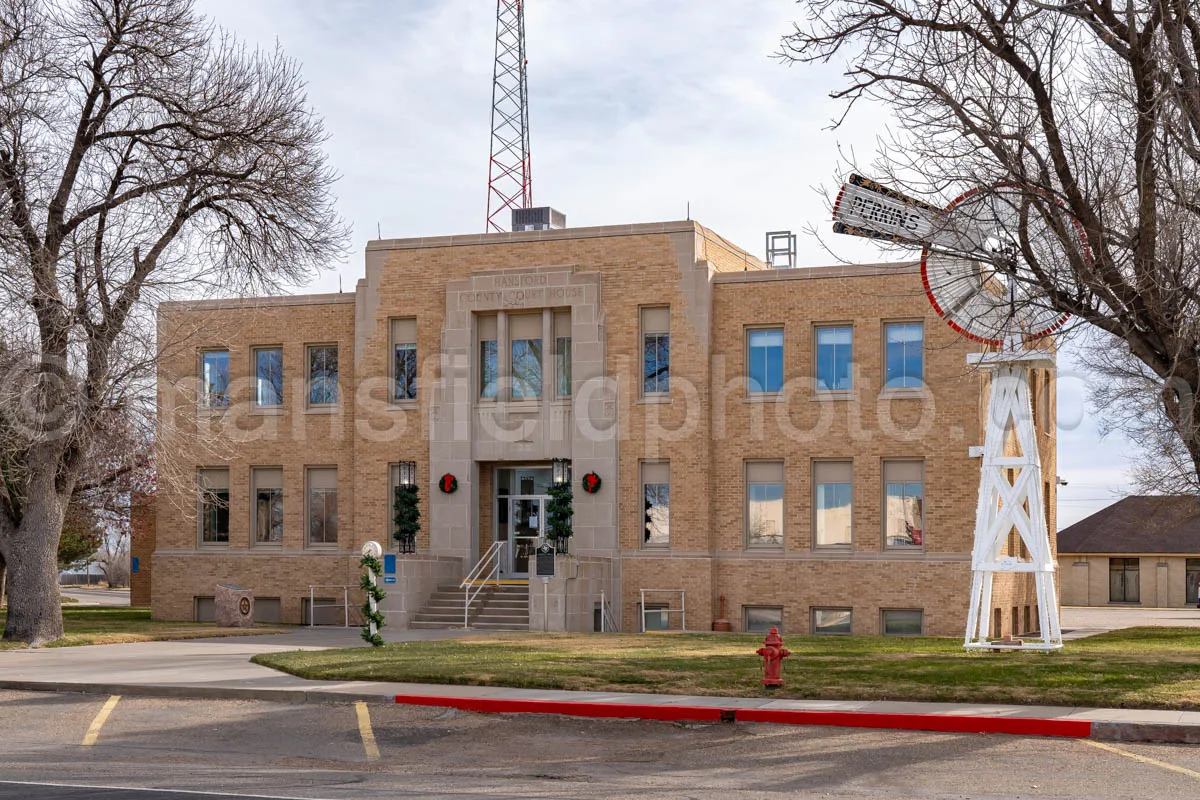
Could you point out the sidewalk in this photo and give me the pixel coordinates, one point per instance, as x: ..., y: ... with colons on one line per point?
x: 220, y: 669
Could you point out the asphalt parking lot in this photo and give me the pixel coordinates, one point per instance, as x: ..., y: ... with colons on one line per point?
x: 53, y: 743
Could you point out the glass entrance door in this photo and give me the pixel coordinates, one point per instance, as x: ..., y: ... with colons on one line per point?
x: 528, y: 519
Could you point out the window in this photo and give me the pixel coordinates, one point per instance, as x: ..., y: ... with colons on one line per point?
x: 903, y: 622
x: 1124, y: 585
x: 322, y: 375
x: 833, y: 490
x: 904, y: 503
x: 831, y: 620
x: 656, y: 351
x: 525, y: 332
x: 764, y: 359
x: 214, y: 366
x: 834, y: 350
x: 489, y: 358
x: 1192, y: 581
x: 656, y: 488
x: 214, y: 506
x: 655, y: 617
x: 322, y: 506
x: 268, y: 505
x: 903, y: 343
x: 268, y: 376
x: 764, y: 504
x: 562, y: 354
x: 760, y: 619
x: 404, y: 359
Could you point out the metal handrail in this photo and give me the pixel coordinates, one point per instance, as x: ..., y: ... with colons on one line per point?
x: 472, y: 585
x: 608, y: 623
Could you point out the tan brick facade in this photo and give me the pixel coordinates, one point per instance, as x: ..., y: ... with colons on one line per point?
x: 708, y: 428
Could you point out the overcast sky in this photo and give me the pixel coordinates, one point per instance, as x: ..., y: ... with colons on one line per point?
x: 637, y: 109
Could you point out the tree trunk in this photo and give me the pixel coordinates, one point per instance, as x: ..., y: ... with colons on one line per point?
x: 34, y: 601
x: 3, y: 577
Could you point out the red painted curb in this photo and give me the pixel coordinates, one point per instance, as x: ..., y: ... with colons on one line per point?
x: 493, y: 705
x: 1021, y: 726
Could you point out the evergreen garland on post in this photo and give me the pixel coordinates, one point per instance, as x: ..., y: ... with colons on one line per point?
x: 407, y: 517
x: 373, y: 619
x: 559, y: 511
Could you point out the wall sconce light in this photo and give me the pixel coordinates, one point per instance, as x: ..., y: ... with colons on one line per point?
x: 562, y: 471
x: 408, y: 473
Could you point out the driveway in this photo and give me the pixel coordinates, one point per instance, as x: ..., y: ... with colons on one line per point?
x: 96, y: 597
x: 1080, y: 621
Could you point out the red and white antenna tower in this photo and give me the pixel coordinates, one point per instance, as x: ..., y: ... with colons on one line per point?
x: 510, y: 180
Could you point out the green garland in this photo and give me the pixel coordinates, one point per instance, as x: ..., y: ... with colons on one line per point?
x: 406, y: 516
x: 371, y: 616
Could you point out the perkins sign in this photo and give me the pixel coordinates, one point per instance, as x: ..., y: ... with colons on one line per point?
x: 867, y: 208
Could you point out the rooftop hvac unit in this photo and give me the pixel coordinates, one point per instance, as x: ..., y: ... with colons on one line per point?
x: 543, y: 218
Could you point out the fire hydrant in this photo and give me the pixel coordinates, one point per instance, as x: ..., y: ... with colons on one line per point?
x: 773, y: 653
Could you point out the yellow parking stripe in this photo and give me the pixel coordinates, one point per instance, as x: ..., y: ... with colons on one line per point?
x: 93, y: 733
x: 1144, y: 759
x: 364, y: 728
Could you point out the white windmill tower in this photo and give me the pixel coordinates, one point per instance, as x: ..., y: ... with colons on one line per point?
x: 984, y: 256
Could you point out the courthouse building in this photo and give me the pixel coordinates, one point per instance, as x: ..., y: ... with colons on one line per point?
x: 778, y: 446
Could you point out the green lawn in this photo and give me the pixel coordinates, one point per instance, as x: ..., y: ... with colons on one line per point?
x: 117, y: 625
x: 1135, y: 668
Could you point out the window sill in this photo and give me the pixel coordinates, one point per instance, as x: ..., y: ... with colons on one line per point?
x: 267, y: 545
x: 211, y: 411
x: 899, y: 548
x: 657, y: 548
x: 920, y: 393
x: 764, y: 397
x: 652, y: 399
x: 833, y: 548
x: 329, y: 409
x: 330, y: 547
x: 214, y: 545
x: 764, y: 548
x: 403, y: 405
x: 266, y: 411
x: 821, y: 395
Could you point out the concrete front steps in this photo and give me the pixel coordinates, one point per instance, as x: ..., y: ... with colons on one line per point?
x: 495, y: 608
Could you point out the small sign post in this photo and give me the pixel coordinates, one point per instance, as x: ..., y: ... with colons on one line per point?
x: 545, y: 561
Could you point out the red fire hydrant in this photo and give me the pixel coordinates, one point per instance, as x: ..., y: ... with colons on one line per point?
x: 773, y: 653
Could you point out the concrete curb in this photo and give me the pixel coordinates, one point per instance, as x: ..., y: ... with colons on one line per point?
x: 1164, y: 733
x: 942, y: 723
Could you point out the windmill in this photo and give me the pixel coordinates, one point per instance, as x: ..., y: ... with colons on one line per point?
x: 984, y: 257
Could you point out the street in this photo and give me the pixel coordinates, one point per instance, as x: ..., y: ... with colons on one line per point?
x: 265, y: 749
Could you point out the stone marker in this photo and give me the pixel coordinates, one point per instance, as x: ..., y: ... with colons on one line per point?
x: 234, y: 606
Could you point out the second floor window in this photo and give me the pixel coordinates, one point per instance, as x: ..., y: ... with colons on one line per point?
x: 834, y: 351
x: 322, y: 506
x: 764, y: 504
x: 904, y: 503
x: 404, y: 359
x: 268, y: 505
x: 214, y: 368
x: 903, y: 356
x: 214, y: 506
x: 268, y: 376
x: 656, y: 485
x: 656, y: 351
x: 765, y: 359
x: 322, y: 375
x: 833, y: 489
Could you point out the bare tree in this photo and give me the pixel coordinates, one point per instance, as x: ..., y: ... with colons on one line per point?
x: 143, y: 153
x: 1092, y: 110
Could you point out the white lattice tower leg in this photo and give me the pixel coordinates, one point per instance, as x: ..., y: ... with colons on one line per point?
x: 1006, y: 504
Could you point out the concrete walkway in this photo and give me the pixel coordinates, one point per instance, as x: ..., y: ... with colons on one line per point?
x: 220, y: 669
